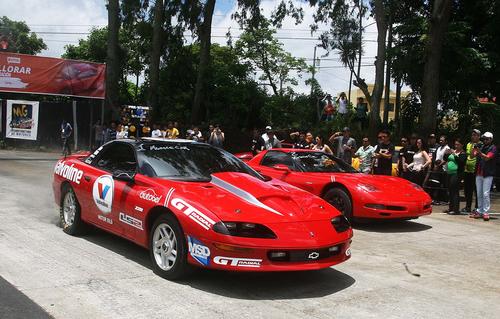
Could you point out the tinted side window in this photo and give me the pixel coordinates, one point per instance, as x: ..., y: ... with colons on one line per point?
x: 117, y: 157
x: 273, y: 158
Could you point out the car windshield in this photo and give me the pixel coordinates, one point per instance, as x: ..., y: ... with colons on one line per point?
x: 320, y: 162
x: 188, y: 161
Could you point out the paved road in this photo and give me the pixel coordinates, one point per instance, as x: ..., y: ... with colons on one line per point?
x: 437, y: 267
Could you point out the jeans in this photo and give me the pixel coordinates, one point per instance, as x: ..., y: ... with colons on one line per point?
x: 483, y: 186
x: 469, y: 190
x: 453, y: 189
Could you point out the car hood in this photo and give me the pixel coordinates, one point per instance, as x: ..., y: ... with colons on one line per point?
x: 241, y: 197
x: 388, y: 186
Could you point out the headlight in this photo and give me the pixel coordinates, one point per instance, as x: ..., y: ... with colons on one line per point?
x: 340, y: 223
x: 368, y: 188
x: 240, y: 229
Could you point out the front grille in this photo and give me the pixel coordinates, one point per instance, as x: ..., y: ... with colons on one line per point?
x: 311, y: 255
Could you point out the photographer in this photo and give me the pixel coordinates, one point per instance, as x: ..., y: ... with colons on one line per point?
x: 216, y: 137
x: 485, y: 171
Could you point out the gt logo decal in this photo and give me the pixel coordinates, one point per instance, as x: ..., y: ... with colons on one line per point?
x: 103, y: 192
x: 188, y: 210
x: 237, y: 262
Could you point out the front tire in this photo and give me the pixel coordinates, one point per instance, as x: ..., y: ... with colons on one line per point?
x: 167, y: 248
x: 70, y: 212
x: 338, y: 198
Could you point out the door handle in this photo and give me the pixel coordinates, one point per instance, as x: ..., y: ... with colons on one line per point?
x: 87, y: 178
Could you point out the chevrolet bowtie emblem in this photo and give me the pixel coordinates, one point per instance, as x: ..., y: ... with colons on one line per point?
x: 313, y: 255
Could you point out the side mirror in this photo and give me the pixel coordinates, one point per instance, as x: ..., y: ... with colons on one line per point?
x: 283, y: 168
x: 123, y: 176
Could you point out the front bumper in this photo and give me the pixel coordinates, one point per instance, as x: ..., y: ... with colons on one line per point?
x: 393, y: 210
x: 244, y: 258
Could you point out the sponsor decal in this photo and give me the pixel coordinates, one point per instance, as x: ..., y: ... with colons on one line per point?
x: 198, y: 251
x: 348, y: 252
x: 188, y: 210
x: 105, y: 219
x: 313, y: 255
x: 103, y: 192
x: 169, y: 147
x: 150, y: 195
x: 237, y: 262
x: 139, y: 209
x: 129, y: 220
x: 13, y: 60
x: 70, y: 172
x: 89, y: 159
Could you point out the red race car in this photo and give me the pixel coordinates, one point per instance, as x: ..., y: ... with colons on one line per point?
x: 191, y: 203
x: 355, y: 194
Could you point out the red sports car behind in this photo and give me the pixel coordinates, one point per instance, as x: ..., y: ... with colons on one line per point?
x: 355, y: 194
x: 191, y: 203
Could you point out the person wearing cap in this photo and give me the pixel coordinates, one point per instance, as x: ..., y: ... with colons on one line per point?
x: 382, y: 155
x: 485, y: 171
x: 344, y: 144
x: 271, y: 142
x: 469, y: 172
x: 265, y: 136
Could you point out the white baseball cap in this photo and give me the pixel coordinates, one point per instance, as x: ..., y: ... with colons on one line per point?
x: 268, y: 128
x: 488, y: 135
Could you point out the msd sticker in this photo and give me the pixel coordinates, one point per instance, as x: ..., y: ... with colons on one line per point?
x: 102, y: 192
x: 198, y: 251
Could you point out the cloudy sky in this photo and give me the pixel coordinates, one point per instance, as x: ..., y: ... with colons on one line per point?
x: 62, y: 22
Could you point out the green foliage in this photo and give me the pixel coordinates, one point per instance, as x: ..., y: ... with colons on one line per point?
x: 263, y: 51
x: 19, y: 37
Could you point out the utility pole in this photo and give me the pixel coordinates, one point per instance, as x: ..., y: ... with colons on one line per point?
x: 313, y: 84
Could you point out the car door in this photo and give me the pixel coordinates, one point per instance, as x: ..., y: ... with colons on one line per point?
x: 109, y: 192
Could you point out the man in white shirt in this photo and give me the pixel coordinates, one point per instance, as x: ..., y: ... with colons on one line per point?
x: 265, y: 136
x: 156, y: 131
x: 440, y: 152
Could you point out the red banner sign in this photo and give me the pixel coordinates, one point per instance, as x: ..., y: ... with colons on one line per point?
x: 41, y: 75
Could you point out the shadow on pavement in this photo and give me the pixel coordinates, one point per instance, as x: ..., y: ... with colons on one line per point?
x: 270, y: 285
x: 392, y: 226
x: 242, y: 285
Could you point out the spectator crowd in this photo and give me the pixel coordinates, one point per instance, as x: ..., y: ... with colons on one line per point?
x: 433, y: 164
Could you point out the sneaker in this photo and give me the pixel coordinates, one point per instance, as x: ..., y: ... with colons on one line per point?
x: 446, y: 211
x: 486, y: 217
x: 452, y: 213
x: 465, y: 210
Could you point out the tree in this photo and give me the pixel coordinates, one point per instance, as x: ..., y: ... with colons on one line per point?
x: 344, y: 36
x: 260, y: 47
x: 18, y: 37
x: 438, y: 23
x: 204, y: 29
x: 113, y: 59
x: 156, y: 48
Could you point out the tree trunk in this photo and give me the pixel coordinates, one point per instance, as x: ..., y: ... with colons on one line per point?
x: 387, y: 95
x: 154, y: 67
x: 205, y: 33
x: 397, y: 107
x: 378, y: 88
x: 112, y: 100
x: 438, y: 23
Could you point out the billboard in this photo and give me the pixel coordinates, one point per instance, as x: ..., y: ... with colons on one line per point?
x: 41, y: 75
x: 22, y: 119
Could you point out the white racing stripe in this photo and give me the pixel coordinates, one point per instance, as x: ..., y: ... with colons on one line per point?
x: 242, y: 194
x: 167, y: 198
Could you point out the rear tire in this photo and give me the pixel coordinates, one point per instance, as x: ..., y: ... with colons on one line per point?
x: 70, y: 212
x: 338, y: 198
x: 168, y: 249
